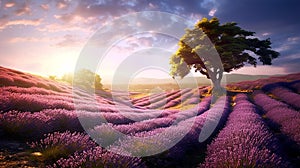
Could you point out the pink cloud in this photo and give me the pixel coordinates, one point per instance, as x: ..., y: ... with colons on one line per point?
x: 23, y: 9
x: 35, y: 22
x: 74, y: 23
x: 55, y: 27
x: 44, y: 7
x: 61, y: 5
x: 59, y: 41
x: 10, y: 4
x: 70, y: 41
x: 29, y: 39
x: 6, y: 23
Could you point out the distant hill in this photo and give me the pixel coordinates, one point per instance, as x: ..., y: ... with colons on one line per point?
x: 230, y: 78
x: 140, y: 84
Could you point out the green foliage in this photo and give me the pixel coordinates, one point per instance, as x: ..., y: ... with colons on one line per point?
x: 52, y: 77
x: 84, y: 78
x: 235, y: 46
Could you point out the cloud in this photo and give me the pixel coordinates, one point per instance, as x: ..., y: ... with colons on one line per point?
x: 75, y: 23
x: 10, y: 4
x: 61, y: 5
x: 152, y: 6
x: 29, y: 39
x: 5, y: 23
x: 45, y: 7
x: 112, y: 8
x: 276, y: 19
x: 55, y: 27
x: 70, y: 41
x: 99, y: 12
x: 288, y: 46
x: 266, y: 34
x: 67, y: 40
x: 25, y: 22
x: 144, y: 41
x: 293, y: 40
x: 210, y: 4
x: 291, y: 57
x: 23, y: 9
x: 212, y: 12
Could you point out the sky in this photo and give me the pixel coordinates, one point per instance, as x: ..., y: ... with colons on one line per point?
x: 47, y: 37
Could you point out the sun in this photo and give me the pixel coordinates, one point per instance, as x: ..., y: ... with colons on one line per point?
x: 65, y: 68
x: 62, y: 66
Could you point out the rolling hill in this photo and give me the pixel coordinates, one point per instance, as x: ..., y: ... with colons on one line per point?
x: 49, y: 123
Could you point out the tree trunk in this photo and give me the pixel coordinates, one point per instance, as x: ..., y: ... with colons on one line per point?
x: 217, y: 90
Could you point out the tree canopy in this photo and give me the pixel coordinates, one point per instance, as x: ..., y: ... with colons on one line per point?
x: 234, y: 46
x: 84, y: 78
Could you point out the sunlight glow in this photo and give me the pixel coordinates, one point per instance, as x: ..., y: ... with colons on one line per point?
x: 63, y: 63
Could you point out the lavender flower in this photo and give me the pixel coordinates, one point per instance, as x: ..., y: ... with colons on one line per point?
x: 244, y: 141
x: 57, y: 145
x: 97, y: 157
x: 281, y: 114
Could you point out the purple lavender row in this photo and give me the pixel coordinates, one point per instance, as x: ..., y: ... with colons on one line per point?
x: 26, y: 102
x: 195, y: 98
x: 287, y: 96
x: 31, y: 90
x: 10, y: 77
x: 163, y: 102
x: 185, y: 95
x: 57, y: 145
x: 169, y: 100
x: 257, y: 84
x: 42, y: 91
x: 29, y: 125
x: 110, y: 133
x: 153, y: 96
x: 162, y: 138
x: 150, y: 99
x: 296, y: 86
x: 244, y: 142
x: 287, y: 118
x: 198, y: 109
x: 35, y: 102
x: 78, y: 150
x: 156, y: 103
x: 98, y: 157
x: 35, y: 125
x: 150, y: 124
x: 209, y: 121
x: 161, y: 96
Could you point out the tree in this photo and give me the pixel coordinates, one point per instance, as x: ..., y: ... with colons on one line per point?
x: 52, y: 77
x: 84, y: 78
x: 212, y: 48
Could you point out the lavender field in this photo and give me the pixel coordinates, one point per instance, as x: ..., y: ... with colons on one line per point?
x: 45, y: 123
